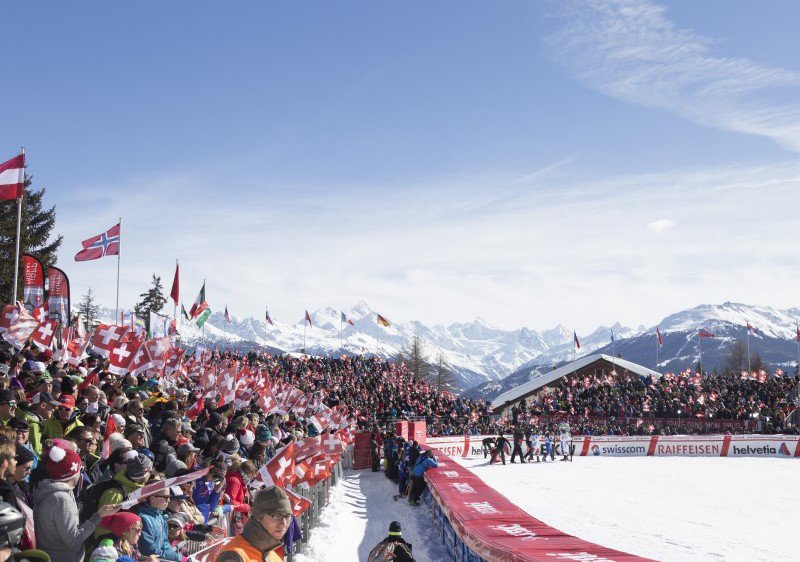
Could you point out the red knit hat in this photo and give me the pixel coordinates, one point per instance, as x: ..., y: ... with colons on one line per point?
x: 63, y: 464
x: 119, y: 522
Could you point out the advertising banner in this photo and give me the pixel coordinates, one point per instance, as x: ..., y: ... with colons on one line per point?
x: 58, y: 296
x: 32, y: 282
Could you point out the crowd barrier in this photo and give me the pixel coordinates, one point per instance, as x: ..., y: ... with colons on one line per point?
x: 780, y: 446
x: 476, y: 524
x: 317, y: 495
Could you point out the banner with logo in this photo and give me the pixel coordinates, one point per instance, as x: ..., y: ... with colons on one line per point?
x: 32, y: 282
x: 58, y: 296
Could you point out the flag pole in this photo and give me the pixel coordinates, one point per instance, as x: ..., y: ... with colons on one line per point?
x: 305, y: 328
x: 341, y: 332
x: 19, y: 230
x: 119, y: 254
x: 657, y: 346
x: 749, y: 369
x: 700, y: 354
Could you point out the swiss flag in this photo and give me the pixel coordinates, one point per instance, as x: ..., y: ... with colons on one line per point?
x: 308, y: 447
x: 319, y: 471
x: 194, y: 410
x: 279, y: 469
x: 302, y: 471
x: 7, y: 316
x: 20, y: 328
x: 40, y: 313
x: 121, y: 357
x: 226, y: 384
x: 42, y: 336
x: 142, y: 362
x: 158, y: 349
x: 106, y: 338
x: 301, y: 404
x: 332, y: 445
x: 267, y: 402
x: 299, y: 503
x: 174, y: 359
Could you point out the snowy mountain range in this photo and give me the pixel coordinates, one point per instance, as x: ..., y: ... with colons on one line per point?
x: 482, y: 355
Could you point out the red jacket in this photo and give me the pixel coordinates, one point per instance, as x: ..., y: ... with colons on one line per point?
x: 235, y: 488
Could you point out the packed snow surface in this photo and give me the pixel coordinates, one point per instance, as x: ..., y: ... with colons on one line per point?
x: 671, y: 509
x: 358, y: 516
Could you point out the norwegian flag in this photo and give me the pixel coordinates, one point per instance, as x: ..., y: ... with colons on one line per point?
x: 106, y: 338
x: 42, y: 336
x: 308, y: 447
x: 20, y: 328
x: 194, y: 410
x: 299, y: 503
x: 279, y: 469
x: 105, y: 244
x: 658, y: 335
x: 122, y: 356
x: 12, y: 178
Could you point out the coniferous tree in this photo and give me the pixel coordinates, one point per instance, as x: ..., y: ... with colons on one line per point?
x: 89, y: 309
x: 153, y: 300
x: 416, y: 359
x: 35, y: 237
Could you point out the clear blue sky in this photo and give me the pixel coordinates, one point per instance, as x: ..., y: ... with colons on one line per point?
x: 530, y: 162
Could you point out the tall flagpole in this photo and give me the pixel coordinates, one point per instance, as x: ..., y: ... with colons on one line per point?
x: 700, y: 353
x: 119, y: 253
x: 305, y: 327
x: 658, y: 345
x: 19, y: 230
x: 341, y: 331
x: 749, y: 369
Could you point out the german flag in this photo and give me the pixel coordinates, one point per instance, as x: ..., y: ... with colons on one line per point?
x: 383, y: 321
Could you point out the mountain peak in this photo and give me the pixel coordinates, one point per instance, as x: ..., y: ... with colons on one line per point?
x: 361, y: 309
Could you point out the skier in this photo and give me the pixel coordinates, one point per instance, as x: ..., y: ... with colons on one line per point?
x: 565, y: 439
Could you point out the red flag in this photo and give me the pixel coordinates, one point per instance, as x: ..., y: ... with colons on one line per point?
x: 280, y: 468
x: 703, y: 333
x: 299, y: 503
x: 122, y: 356
x: 92, y: 378
x: 20, y: 328
x: 105, y: 244
x: 175, y: 292
x: 195, y: 409
x: 12, y: 178
x: 308, y: 319
x: 575, y: 337
x: 106, y: 338
x: 42, y: 336
x: 658, y: 334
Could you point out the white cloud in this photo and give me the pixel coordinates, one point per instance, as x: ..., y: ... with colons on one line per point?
x: 660, y: 226
x: 630, y: 50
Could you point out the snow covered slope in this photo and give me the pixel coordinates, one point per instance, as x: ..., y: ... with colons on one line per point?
x: 673, y: 509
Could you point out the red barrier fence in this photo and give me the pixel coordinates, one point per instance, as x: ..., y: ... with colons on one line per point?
x: 474, y: 520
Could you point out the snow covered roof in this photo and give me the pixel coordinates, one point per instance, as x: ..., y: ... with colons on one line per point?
x: 524, y: 389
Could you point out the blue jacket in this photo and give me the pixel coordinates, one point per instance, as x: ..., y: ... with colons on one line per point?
x: 423, y: 465
x: 206, y: 499
x: 155, y: 538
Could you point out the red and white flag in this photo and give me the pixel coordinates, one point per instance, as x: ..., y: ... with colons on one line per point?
x: 753, y: 330
x: 158, y: 349
x: 42, y: 336
x: 299, y: 503
x: 161, y: 485
x: 268, y: 403
x: 7, y: 316
x: 142, y: 362
x: 20, y: 328
x: 279, y: 469
x: 308, y: 447
x: 332, y: 445
x: 121, y: 357
x: 106, y: 338
x: 105, y: 244
x: 194, y: 410
x: 658, y: 335
x: 12, y: 178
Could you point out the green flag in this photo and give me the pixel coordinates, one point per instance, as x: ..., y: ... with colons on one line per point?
x: 203, y: 317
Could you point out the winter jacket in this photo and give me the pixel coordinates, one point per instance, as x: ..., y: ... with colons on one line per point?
x: 205, y: 498
x: 237, y: 491
x: 252, y: 545
x: 423, y: 465
x: 155, y: 537
x: 400, y: 549
x: 114, y: 495
x: 53, y: 428
x: 55, y: 516
x: 35, y: 429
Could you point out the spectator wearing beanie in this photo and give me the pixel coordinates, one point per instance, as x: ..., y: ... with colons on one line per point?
x: 135, y: 475
x: 118, y: 536
x: 264, y: 532
x: 39, y: 411
x: 55, y: 513
x: 25, y: 462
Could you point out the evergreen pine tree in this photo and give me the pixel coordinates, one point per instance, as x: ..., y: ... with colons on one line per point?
x: 153, y: 300
x: 35, y: 237
x: 89, y: 309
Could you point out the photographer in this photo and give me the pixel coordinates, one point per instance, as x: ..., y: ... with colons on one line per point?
x: 425, y: 461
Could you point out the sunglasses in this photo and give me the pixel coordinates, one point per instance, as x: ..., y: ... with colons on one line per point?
x: 64, y: 409
x: 11, y: 404
x: 174, y: 526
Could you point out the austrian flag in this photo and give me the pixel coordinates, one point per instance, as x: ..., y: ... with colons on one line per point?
x: 12, y: 178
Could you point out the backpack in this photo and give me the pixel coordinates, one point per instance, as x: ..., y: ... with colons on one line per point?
x: 384, y: 552
x: 91, y: 496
